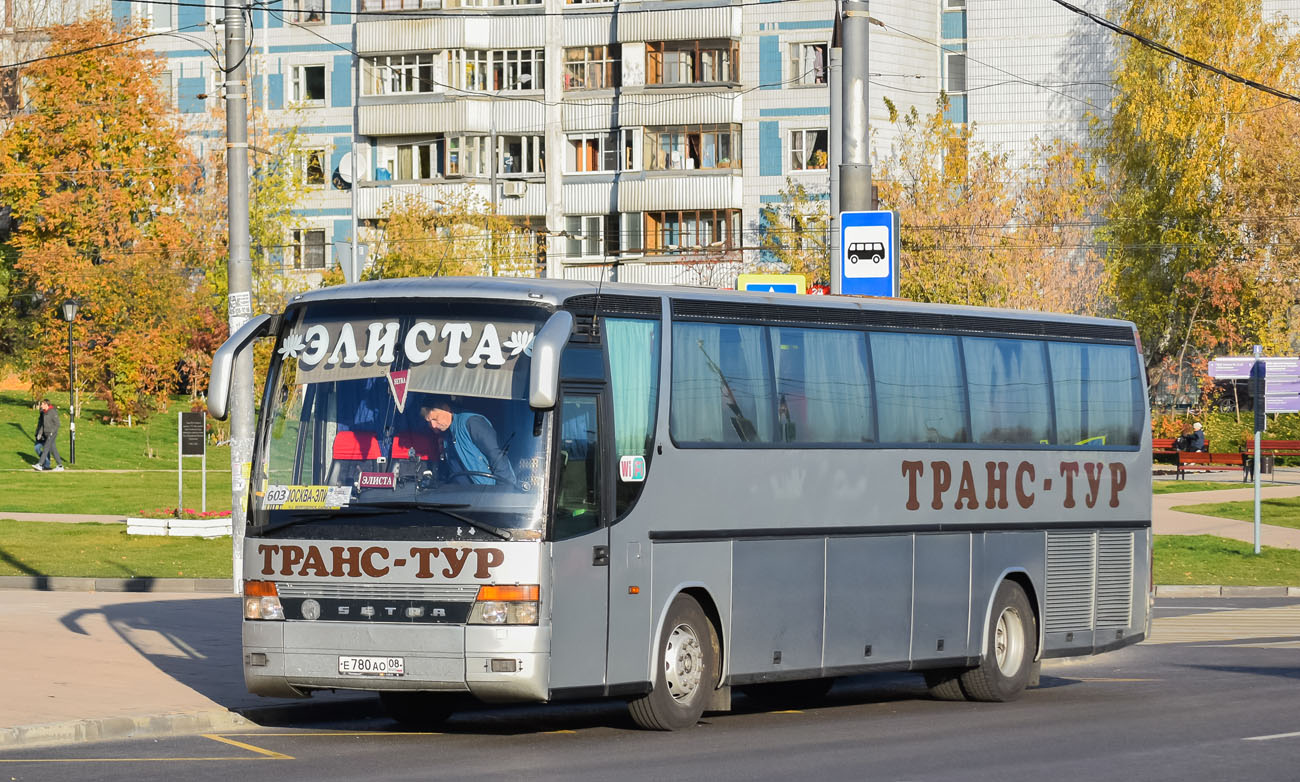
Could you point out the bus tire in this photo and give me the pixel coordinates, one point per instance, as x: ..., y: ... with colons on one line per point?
x: 945, y: 684
x: 688, y: 668
x: 418, y: 710
x: 1008, y: 660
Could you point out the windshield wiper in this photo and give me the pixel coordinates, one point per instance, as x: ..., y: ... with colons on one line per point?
x: 449, y: 509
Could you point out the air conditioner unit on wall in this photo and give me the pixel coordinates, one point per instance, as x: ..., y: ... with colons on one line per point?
x: 514, y: 188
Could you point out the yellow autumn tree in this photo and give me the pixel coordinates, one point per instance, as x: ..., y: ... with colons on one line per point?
x: 457, y: 234
x: 978, y: 228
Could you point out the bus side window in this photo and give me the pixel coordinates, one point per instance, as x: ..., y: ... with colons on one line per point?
x: 577, y: 503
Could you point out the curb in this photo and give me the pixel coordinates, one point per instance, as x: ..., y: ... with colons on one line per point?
x: 185, y: 723
x: 107, y: 728
x: 1192, y: 590
x: 224, y: 586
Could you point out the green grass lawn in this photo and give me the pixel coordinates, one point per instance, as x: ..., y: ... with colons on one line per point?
x: 101, y: 446
x: 1280, y: 512
x: 37, y: 548
x: 1173, y: 487
x: 1205, y: 559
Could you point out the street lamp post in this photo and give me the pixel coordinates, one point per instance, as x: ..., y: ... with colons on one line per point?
x: 70, y: 314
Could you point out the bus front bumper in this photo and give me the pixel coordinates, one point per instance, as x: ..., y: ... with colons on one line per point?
x: 289, y: 659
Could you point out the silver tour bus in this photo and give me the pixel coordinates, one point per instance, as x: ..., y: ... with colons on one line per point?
x: 511, y: 490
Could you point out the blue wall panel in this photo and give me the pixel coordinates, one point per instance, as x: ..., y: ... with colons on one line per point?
x: 342, y: 144
x: 121, y: 11
x: 341, y: 8
x: 769, y: 62
x: 342, y: 241
x: 341, y: 88
x: 954, y: 25
x: 275, y: 90
x: 190, y: 15
x: 187, y: 92
x: 769, y: 149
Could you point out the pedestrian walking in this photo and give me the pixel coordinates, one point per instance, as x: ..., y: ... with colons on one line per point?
x: 40, y: 433
x: 49, y: 429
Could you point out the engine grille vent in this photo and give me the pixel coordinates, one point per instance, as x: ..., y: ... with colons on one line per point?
x: 432, y: 592
x: 1114, y: 579
x: 1071, y: 567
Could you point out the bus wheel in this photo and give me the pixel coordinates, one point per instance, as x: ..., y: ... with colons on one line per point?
x: 1008, y: 660
x: 418, y: 710
x: 945, y: 684
x: 688, y: 670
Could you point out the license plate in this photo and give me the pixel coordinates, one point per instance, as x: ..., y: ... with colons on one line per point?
x: 372, y: 666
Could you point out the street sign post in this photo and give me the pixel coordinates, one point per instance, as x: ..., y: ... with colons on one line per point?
x: 869, y: 253
x: 192, y: 440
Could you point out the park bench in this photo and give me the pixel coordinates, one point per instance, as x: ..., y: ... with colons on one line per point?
x: 1271, y: 449
x: 1210, y: 461
x: 1162, y: 446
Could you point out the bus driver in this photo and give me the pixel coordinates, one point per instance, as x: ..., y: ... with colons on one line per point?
x: 470, y: 445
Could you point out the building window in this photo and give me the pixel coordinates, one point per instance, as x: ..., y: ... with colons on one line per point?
x: 520, y: 155
x: 591, y: 236
x: 504, y: 70
x: 308, y: 248
x: 591, y: 67
x: 308, y: 84
x: 692, y: 146
x: 699, y: 229
x: 808, y: 149
x: 397, y: 5
x: 587, y: 152
x: 312, y: 167
x: 398, y: 74
x: 955, y: 80
x: 308, y: 11
x: 157, y: 16
x: 414, y: 161
x: 692, y: 62
x: 807, y: 63
x: 489, y: 3
x: 166, y: 89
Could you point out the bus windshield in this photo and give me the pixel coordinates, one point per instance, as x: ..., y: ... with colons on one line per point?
x: 412, y: 424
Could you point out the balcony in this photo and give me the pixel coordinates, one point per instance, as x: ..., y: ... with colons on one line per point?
x: 372, y: 196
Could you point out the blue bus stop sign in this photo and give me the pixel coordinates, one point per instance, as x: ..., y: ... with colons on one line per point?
x: 869, y: 253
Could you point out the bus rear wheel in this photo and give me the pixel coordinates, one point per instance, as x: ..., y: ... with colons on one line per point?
x: 418, y: 710
x: 1008, y: 661
x: 688, y: 655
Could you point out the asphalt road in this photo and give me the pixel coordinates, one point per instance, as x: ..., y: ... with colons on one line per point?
x: 1214, y: 696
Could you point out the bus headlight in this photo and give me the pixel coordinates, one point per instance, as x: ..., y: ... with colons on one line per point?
x: 505, y: 605
x: 262, y: 601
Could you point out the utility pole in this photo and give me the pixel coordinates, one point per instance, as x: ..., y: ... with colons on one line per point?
x: 835, y: 142
x: 240, y: 275
x: 855, y: 164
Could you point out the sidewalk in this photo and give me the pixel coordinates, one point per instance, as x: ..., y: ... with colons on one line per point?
x: 1165, y: 521
x: 85, y: 666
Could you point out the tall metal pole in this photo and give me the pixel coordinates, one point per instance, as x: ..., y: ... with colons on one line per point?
x: 72, y: 402
x: 240, y: 275
x: 1258, y: 390
x: 355, y: 157
x: 836, y: 140
x: 855, y: 171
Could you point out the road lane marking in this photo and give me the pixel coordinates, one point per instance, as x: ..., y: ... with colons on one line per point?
x: 270, y: 753
x: 1273, y: 736
x: 1105, y: 679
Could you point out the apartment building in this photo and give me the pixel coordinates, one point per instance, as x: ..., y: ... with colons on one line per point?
x: 639, y: 140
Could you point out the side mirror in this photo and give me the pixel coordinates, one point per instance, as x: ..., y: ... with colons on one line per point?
x: 544, y: 372
x: 223, y: 363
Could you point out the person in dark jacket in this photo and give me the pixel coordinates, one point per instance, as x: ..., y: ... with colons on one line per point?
x: 1196, y: 442
x: 470, y: 446
x: 40, y: 430
x: 49, y: 430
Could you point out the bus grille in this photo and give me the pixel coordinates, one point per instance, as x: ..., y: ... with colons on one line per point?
x: 1070, y: 585
x: 1089, y: 581
x: 1114, y: 579
x: 454, y: 593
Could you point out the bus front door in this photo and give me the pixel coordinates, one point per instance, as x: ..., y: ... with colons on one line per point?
x: 580, y: 551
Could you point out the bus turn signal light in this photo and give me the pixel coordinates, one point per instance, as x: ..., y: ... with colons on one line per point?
x: 508, y: 593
